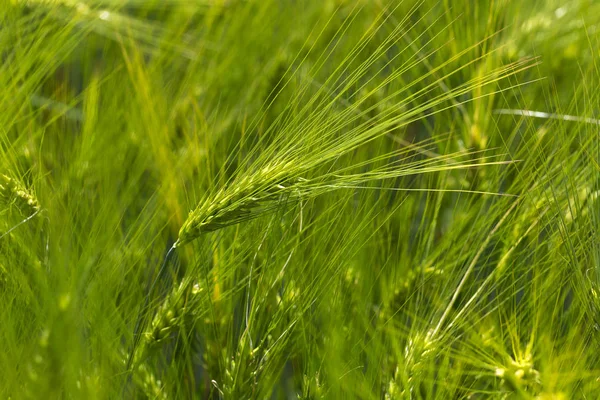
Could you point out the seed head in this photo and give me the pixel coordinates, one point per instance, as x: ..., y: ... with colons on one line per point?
x: 13, y: 193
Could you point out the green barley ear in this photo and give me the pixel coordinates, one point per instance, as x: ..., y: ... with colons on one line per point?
x: 333, y: 135
x: 152, y: 387
x: 171, y: 313
x: 21, y: 205
x: 244, y: 199
x: 175, y: 309
x: 519, y: 375
x: 254, y: 194
x: 15, y: 194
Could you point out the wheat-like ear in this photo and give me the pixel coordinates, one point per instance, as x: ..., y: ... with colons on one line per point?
x: 307, y: 146
x: 15, y: 197
x: 178, y: 305
x: 152, y: 387
x: 14, y: 193
x: 255, y: 194
x: 244, y: 199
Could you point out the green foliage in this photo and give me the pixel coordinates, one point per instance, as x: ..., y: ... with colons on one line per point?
x: 244, y: 199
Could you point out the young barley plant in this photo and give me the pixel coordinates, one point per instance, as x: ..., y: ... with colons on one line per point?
x: 389, y: 199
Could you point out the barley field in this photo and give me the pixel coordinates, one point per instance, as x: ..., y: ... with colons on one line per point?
x: 300, y: 199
